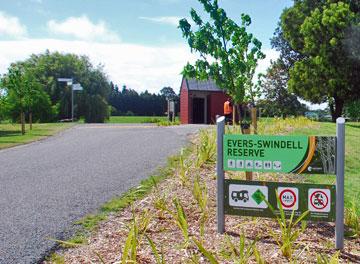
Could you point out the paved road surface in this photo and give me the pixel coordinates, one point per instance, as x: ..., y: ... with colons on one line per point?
x: 47, y: 185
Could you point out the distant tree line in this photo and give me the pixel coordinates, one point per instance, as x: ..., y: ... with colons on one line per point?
x: 127, y: 101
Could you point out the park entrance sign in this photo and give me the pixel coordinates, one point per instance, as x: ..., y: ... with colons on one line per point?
x: 281, y: 154
x: 288, y: 154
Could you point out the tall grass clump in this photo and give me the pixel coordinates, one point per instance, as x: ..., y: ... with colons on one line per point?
x: 206, y: 253
x: 205, y: 152
x: 352, y: 220
x: 159, y: 256
x: 180, y: 219
x: 242, y: 252
x: 289, y: 230
x: 137, y: 230
x: 200, y: 194
x: 184, y: 168
x: 322, y: 259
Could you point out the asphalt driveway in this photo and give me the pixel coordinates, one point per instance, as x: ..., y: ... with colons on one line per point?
x: 47, y: 185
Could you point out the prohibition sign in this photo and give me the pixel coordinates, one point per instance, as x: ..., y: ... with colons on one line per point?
x: 319, y: 200
x: 289, y: 193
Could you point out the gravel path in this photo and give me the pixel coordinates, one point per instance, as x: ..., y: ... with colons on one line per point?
x: 47, y: 185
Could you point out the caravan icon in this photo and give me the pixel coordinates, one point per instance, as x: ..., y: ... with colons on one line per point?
x: 240, y: 195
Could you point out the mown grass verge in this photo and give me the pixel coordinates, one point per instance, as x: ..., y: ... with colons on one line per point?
x: 10, y: 134
x: 137, y: 119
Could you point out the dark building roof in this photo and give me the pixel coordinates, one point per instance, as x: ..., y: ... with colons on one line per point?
x: 195, y: 85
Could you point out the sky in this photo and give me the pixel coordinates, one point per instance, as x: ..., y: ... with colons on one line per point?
x: 137, y: 41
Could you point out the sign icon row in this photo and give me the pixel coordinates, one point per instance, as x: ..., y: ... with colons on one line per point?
x: 254, y: 196
x: 254, y: 164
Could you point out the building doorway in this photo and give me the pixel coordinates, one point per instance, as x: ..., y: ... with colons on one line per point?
x: 198, y: 112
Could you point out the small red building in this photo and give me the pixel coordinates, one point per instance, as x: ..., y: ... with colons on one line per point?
x: 200, y: 101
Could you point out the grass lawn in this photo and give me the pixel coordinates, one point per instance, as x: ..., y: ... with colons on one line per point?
x: 10, y: 134
x: 352, y: 158
x: 136, y: 119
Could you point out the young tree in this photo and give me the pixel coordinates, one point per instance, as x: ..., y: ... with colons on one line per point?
x: 228, y: 53
x: 14, y: 83
x: 32, y: 91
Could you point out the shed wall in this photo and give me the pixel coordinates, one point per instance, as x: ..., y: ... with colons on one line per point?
x: 184, y: 104
x: 217, y: 100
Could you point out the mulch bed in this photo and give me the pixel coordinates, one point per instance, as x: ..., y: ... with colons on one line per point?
x: 109, y: 239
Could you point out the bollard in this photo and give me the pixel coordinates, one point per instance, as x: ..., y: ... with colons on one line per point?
x: 340, y: 156
x: 220, y: 175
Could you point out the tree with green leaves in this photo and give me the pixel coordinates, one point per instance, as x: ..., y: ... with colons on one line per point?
x: 168, y: 93
x: 14, y: 83
x: 33, y: 91
x: 3, y: 103
x: 353, y: 110
x: 228, y: 54
x: 44, y: 70
x: 324, y: 64
x: 23, y: 94
x: 278, y: 101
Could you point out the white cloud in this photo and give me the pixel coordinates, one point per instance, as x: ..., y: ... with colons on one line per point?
x: 11, y: 26
x: 170, y: 20
x: 271, y: 55
x: 83, y: 28
x: 139, y: 67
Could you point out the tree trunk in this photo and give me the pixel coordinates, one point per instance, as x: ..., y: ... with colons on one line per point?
x: 254, y: 119
x: 240, y: 117
x: 22, y: 120
x: 337, y: 111
x: 234, y: 115
x: 30, y: 119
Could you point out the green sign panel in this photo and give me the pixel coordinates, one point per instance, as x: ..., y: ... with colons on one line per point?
x: 248, y: 198
x: 288, y: 154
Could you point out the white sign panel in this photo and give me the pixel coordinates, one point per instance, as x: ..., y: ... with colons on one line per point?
x: 77, y: 87
x: 252, y: 196
x: 64, y: 79
x: 319, y: 200
x: 172, y: 106
x: 289, y: 198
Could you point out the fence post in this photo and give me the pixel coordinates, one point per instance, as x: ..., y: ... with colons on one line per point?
x: 340, y: 156
x: 220, y: 122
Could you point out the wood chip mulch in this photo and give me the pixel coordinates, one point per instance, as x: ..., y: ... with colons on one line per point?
x: 109, y: 239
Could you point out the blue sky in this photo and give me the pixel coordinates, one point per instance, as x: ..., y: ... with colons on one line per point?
x: 137, y: 41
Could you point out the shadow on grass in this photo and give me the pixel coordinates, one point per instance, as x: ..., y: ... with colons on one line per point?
x: 354, y: 126
x: 10, y: 133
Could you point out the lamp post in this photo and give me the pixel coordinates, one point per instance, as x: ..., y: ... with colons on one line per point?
x: 74, y: 87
